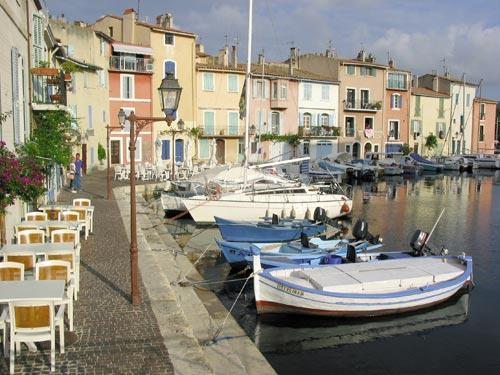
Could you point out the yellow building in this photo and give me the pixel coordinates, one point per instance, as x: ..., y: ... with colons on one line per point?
x: 429, y: 113
x: 220, y: 81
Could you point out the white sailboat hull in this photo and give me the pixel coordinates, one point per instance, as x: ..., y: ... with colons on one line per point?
x: 254, y: 207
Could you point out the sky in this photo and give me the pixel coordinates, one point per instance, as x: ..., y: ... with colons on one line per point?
x: 421, y: 36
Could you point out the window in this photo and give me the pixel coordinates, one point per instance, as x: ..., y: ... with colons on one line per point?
x: 103, y: 115
x: 481, y: 133
x: 351, y: 69
x: 253, y: 147
x: 307, y: 91
x: 456, y: 99
x: 367, y: 71
x: 440, y: 129
x: 393, y: 129
x: 260, y: 89
x: 351, y: 98
x: 416, y: 127
x: 305, y: 150
x: 170, y: 69
x: 482, y: 111
x: 127, y: 86
x: 232, y: 83
x: 233, y: 118
x: 90, y: 122
x: 348, y: 149
x: 169, y: 39
x: 396, y: 101
x: 417, y: 106
x: 441, y: 108
x: 102, y: 77
x: 307, y: 120
x: 368, y: 123
x: 365, y: 98
x: 325, y: 93
x: 468, y: 100
x: 102, y: 47
x: 127, y: 111
x: 275, y: 122
x: 208, y: 82
x: 396, y: 81
x: 37, y: 40
x: 110, y: 31
x: 324, y: 120
x: 349, y: 126
x: 283, y: 90
x: 204, y: 149
x: 375, y: 148
x: 209, y: 122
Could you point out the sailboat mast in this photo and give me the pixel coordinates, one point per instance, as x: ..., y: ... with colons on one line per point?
x: 247, y: 91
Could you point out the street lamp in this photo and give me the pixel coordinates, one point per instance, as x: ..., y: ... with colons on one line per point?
x: 170, y: 93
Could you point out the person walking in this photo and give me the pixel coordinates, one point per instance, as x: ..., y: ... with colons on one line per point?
x: 71, y: 175
x: 77, y: 184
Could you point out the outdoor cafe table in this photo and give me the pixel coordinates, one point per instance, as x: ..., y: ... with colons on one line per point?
x: 32, y: 290
x: 70, y: 207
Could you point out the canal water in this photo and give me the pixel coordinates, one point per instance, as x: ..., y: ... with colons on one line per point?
x: 461, y: 336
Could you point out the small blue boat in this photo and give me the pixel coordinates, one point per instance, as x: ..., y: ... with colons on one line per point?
x: 316, y: 251
x: 427, y: 165
x: 267, y: 231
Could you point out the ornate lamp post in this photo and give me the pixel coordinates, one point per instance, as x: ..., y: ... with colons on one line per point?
x: 170, y: 93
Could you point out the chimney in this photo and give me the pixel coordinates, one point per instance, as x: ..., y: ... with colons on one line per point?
x: 415, y: 81
x: 392, y: 63
x: 293, y: 62
x: 223, y: 56
x: 447, y: 74
x: 234, y: 56
x: 128, y: 25
x: 361, y: 55
x: 165, y: 20
x: 260, y: 58
x: 200, y: 48
x: 435, y: 83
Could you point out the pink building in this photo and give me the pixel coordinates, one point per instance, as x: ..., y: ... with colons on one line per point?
x: 483, y: 126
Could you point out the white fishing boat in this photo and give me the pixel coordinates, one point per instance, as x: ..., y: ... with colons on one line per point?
x: 361, y: 289
x: 487, y: 162
x: 298, y: 201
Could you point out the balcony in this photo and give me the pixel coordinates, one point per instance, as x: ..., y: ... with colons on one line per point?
x: 131, y: 64
x: 220, y: 131
x: 319, y: 131
x: 279, y: 103
x: 49, y: 88
x: 362, y: 106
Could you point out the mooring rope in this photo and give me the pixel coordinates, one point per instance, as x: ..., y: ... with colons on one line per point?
x: 183, y: 280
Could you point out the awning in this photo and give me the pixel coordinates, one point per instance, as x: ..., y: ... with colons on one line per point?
x: 137, y: 50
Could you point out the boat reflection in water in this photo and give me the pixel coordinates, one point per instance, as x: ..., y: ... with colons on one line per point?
x: 287, y: 334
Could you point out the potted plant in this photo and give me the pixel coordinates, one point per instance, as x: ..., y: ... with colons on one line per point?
x: 101, y: 156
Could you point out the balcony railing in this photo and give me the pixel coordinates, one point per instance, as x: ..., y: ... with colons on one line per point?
x: 319, y: 131
x: 49, y: 86
x: 279, y: 103
x: 131, y: 64
x: 221, y: 130
x: 362, y: 105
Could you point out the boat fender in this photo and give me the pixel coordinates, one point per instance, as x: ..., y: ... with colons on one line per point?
x: 307, y: 216
x: 275, y: 220
x: 304, y: 240
x: 360, y: 230
x: 345, y: 208
x: 319, y: 215
x: 292, y: 213
x: 283, y: 213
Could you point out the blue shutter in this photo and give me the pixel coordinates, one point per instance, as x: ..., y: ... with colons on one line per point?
x: 204, y: 153
x: 165, y: 149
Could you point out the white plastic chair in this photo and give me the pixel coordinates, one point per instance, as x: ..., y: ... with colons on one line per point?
x: 59, y: 270
x: 35, y: 321
x: 118, y: 172
x: 69, y: 236
x: 31, y: 236
x: 36, y: 216
x: 82, y: 202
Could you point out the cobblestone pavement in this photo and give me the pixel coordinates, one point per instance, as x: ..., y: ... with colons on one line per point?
x: 113, y: 337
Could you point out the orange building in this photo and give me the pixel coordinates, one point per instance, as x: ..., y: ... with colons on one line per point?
x: 483, y: 126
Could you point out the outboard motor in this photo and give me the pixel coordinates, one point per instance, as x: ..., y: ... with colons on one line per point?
x: 418, y: 240
x: 275, y: 219
x: 319, y: 215
x: 304, y: 240
x: 351, y: 254
x: 360, y: 230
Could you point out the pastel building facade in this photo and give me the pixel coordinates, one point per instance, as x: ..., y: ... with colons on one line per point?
x: 461, y: 94
x: 483, y: 126
x: 430, y: 112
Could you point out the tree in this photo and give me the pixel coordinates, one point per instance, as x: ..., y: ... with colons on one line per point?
x: 407, y: 149
x: 431, y: 142
x: 101, y: 153
x: 195, y: 133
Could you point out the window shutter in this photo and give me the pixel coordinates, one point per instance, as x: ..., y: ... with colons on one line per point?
x: 281, y: 122
x: 266, y: 89
x: 204, y: 154
x: 318, y: 119
x: 15, y: 94
x: 254, y: 88
x: 331, y: 119
x: 90, y: 124
x: 301, y: 119
x: 165, y: 149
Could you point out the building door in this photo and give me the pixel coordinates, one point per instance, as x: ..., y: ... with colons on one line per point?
x: 179, y: 150
x: 368, y: 147
x: 323, y: 149
x: 115, y: 146
x: 220, y: 151
x: 84, y: 157
x: 355, y: 150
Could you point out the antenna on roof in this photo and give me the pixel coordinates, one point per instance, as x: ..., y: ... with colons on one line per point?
x: 445, y: 68
x: 388, y: 57
x: 226, y: 39
x: 236, y: 40
x: 138, y: 9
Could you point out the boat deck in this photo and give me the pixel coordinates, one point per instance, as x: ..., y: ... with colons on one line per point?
x: 377, y: 277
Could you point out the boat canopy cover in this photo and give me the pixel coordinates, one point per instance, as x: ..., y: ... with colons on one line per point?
x: 420, y: 159
x: 342, y: 157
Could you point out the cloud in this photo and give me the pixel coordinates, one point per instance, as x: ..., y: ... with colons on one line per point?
x: 466, y: 49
